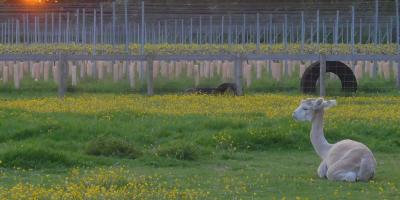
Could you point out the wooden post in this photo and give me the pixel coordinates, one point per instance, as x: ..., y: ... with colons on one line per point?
x: 322, y: 71
x: 74, y: 75
x: 62, y: 77
x: 46, y: 69
x: 239, y: 74
x: 374, y: 69
x: 131, y: 75
x: 115, y: 72
x: 16, y: 76
x: 5, y: 74
x: 150, y: 86
x: 398, y: 74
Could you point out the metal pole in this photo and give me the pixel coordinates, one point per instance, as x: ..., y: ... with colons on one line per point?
x: 52, y: 28
x: 83, y: 26
x: 77, y: 27
x: 36, y: 30
x: 59, y: 27
x: 101, y: 24
x: 270, y: 31
x: 94, y: 32
x: 159, y: 33
x: 376, y: 21
x: 244, y: 30
x: 126, y: 27
x: 398, y: 28
x: 398, y: 42
x: 352, y: 29
x: 191, y: 31
x: 312, y: 33
x: 165, y: 31
x: 182, y: 32
x: 45, y: 28
x: 211, y: 30
x: 318, y: 27
x: 285, y: 32
x: 17, y: 38
x: 347, y: 32
x: 200, y: 33
x: 322, y: 71
x: 360, y: 39
x: 302, y: 31
x: 142, y: 42
x: 230, y: 31
x: 94, y: 71
x: 67, y: 31
x: 222, y: 30
x: 113, y: 24
x: 258, y: 32
x: 175, y: 31
x: 337, y: 28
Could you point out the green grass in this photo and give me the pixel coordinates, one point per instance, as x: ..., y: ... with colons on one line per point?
x: 231, y: 156
x: 288, y: 85
x: 247, y: 175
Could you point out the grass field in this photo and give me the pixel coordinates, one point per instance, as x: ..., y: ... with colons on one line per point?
x: 109, y: 146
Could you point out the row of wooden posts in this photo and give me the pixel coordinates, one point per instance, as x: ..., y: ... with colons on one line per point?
x: 196, y: 70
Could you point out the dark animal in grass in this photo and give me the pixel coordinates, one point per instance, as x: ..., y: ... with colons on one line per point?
x: 224, y: 88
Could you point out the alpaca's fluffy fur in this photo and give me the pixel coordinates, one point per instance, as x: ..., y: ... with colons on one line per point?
x: 346, y: 160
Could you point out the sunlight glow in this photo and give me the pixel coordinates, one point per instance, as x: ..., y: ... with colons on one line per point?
x: 38, y: 2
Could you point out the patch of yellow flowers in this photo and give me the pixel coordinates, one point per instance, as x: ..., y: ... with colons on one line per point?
x: 271, y: 105
x: 203, y: 49
x: 103, y: 183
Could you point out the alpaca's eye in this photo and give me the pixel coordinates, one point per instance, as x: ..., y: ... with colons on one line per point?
x: 305, y: 108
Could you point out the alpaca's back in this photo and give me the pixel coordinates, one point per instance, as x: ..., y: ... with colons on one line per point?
x: 351, y: 155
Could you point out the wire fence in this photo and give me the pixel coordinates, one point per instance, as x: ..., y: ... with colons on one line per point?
x: 138, y: 44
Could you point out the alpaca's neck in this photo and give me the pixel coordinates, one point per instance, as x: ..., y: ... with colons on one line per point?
x: 318, y: 140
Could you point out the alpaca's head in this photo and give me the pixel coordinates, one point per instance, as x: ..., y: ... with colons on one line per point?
x: 308, y: 108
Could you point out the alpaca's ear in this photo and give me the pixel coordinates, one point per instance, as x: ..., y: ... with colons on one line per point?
x: 319, y: 101
x: 329, y: 104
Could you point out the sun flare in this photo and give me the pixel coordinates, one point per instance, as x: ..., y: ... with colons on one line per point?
x: 33, y: 2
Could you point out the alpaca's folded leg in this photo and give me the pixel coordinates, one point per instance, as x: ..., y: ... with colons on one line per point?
x: 367, y: 169
x: 322, y: 169
x: 341, y: 172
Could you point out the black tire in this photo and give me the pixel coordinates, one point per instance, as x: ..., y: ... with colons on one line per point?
x: 345, y: 74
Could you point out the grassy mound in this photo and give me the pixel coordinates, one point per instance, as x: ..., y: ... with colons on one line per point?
x: 36, y: 158
x: 113, y: 147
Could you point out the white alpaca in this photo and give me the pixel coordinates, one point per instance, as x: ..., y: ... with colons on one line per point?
x: 346, y: 160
